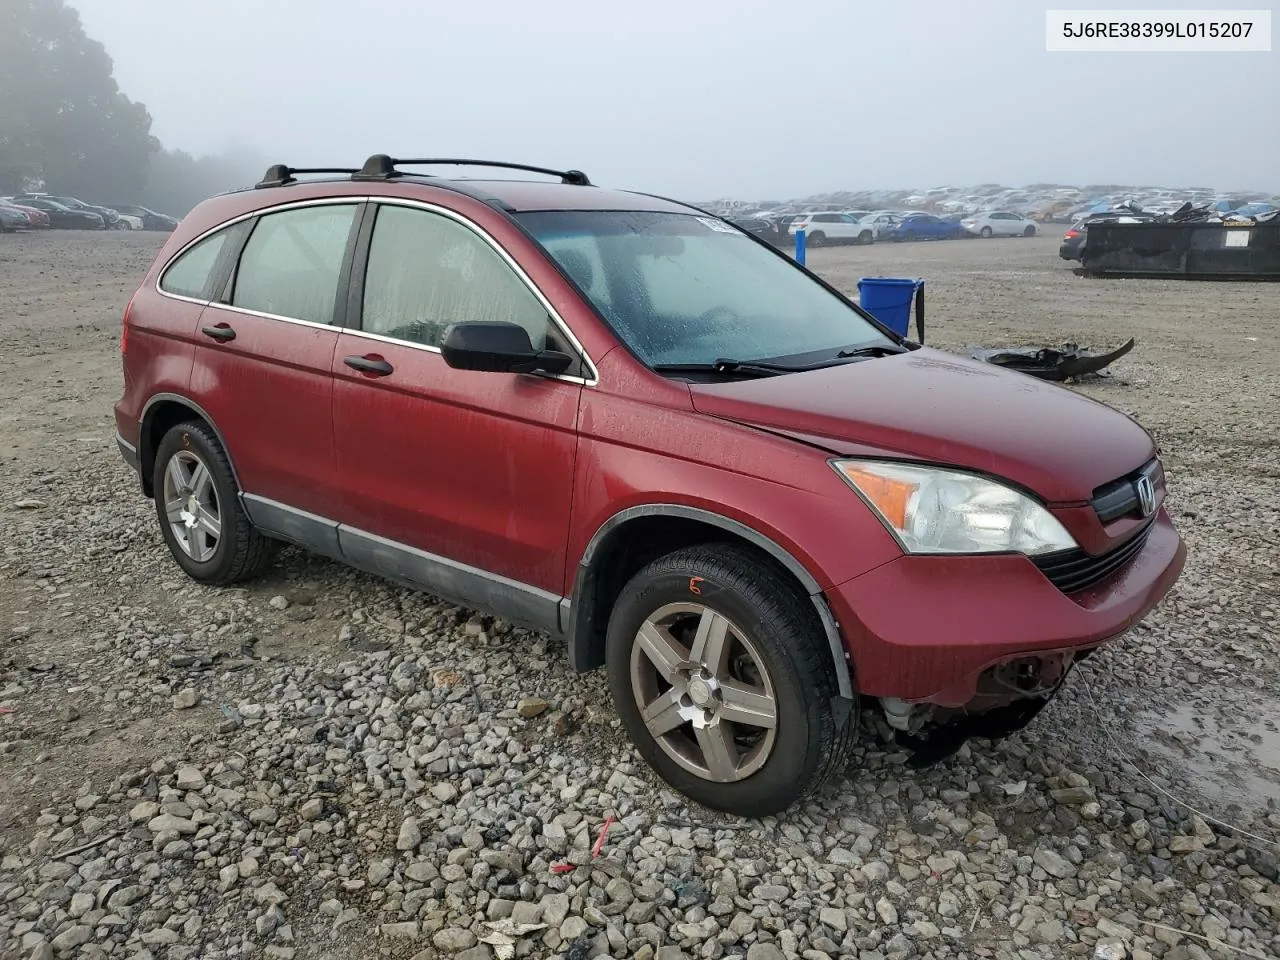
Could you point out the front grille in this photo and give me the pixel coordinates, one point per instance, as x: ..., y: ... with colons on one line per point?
x: 1120, y: 497
x: 1074, y: 570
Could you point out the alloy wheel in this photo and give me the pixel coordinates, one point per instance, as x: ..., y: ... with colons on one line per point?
x: 704, y: 692
x: 191, y: 506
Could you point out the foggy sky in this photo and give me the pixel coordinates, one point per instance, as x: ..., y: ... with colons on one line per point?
x: 697, y: 98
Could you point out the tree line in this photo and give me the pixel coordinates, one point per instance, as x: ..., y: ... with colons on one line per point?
x: 66, y: 126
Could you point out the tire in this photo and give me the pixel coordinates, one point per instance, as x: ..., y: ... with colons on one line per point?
x: 1029, y: 232
x: 985, y: 233
x: 237, y: 551
x: 775, y: 655
x: 818, y: 239
x: 865, y: 237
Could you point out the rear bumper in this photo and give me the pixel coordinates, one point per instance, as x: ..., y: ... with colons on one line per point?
x: 926, y: 628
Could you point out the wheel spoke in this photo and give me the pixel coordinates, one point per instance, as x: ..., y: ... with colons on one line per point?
x: 173, y: 510
x: 177, y: 478
x: 662, y: 715
x: 662, y: 649
x: 201, y: 480
x: 710, y: 643
x: 747, y: 705
x: 208, y: 522
x: 200, y: 547
x: 718, y: 752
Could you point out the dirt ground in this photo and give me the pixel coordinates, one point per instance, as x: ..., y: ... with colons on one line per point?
x: 1196, y: 696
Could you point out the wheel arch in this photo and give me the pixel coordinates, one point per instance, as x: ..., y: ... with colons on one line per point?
x: 607, y: 560
x: 161, y: 413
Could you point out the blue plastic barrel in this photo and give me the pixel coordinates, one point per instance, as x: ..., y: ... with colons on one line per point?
x: 889, y: 299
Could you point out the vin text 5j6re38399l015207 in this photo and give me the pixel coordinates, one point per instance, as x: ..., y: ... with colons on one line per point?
x: 621, y: 420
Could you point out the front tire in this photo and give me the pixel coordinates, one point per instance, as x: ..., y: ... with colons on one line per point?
x: 722, y: 675
x: 198, y: 506
x: 1029, y: 232
x: 865, y: 237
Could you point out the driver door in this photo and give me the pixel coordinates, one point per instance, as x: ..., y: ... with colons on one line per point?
x: 456, y: 480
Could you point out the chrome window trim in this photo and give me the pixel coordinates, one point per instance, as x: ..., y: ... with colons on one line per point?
x: 355, y: 199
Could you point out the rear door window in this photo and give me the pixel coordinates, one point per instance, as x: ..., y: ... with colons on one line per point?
x: 292, y: 264
x: 190, y: 275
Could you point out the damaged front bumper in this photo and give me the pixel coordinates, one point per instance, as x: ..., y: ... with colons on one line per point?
x: 983, y: 642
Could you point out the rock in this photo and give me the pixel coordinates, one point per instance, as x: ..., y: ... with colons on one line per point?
x: 573, y: 928
x: 927, y: 930
x: 278, y: 603
x: 189, y: 778
x: 1073, y: 795
x: 1054, y: 863
x: 311, y: 809
x: 186, y: 699
x: 531, y: 707
x: 887, y: 912
x: 144, y: 810
x: 833, y: 918
x: 875, y: 871
x: 29, y: 503
x: 771, y: 893
x: 43, y: 951
x: 72, y: 937
x: 421, y: 871
x: 410, y: 835
x: 69, y: 714
x: 228, y: 876
x: 523, y: 912
x: 1182, y: 844
x: 264, y: 815
x: 444, y: 792
x: 1049, y: 931
x: 1110, y: 950
x: 408, y: 930
x: 454, y: 939
x: 167, y: 822
x: 765, y: 951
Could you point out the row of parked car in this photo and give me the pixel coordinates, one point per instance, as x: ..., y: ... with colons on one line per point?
x: 826, y: 227
x: 38, y: 211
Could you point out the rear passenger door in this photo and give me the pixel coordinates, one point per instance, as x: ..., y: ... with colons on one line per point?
x: 263, y: 365
x: 457, y: 480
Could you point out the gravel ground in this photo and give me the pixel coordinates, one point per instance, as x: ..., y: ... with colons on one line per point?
x: 323, y: 765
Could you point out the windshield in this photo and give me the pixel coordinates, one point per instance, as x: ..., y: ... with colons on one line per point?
x: 684, y: 289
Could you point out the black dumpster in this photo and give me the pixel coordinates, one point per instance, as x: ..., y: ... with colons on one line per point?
x: 1190, y: 251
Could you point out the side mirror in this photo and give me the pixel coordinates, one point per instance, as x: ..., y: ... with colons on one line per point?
x: 498, y: 347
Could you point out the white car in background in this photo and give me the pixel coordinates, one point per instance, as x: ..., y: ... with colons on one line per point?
x: 999, y: 224
x: 878, y: 223
x: 128, y: 222
x: 825, y: 227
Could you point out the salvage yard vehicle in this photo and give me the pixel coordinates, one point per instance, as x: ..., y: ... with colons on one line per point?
x: 999, y: 223
x: 63, y: 217
x: 824, y: 228
x: 621, y: 420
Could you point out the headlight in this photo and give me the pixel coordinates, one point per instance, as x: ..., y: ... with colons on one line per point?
x: 931, y: 510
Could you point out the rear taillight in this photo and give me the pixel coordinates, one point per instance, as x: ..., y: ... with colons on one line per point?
x: 1070, y: 234
x: 124, y: 326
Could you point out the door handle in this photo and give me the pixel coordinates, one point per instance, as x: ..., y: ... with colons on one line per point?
x: 370, y: 364
x: 221, y: 332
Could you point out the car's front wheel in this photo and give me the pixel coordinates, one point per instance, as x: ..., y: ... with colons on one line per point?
x: 865, y: 237
x: 199, y: 509
x: 723, y: 677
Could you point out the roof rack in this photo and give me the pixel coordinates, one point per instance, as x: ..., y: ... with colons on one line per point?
x: 278, y: 174
x: 382, y: 167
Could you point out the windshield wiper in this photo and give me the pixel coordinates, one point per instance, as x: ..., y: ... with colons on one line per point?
x: 874, y: 350
x: 726, y: 366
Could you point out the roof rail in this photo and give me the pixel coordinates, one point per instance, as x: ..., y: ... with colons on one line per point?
x: 382, y: 167
x: 278, y: 174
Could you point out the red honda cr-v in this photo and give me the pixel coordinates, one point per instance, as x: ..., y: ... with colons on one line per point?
x: 618, y: 419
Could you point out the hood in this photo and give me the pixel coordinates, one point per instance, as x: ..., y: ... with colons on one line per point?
x: 946, y: 409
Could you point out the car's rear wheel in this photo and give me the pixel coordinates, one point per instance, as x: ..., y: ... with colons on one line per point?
x: 985, y: 233
x: 817, y: 239
x: 201, y: 518
x: 723, y: 677
x: 865, y: 237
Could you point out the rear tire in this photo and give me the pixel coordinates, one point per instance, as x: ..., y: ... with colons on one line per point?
x: 198, y: 506
x: 865, y: 237
x: 743, y: 721
x: 985, y: 233
x: 816, y: 239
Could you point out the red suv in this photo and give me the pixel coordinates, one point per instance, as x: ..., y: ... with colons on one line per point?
x: 621, y: 420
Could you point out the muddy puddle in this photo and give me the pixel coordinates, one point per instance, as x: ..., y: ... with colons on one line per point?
x: 1232, y: 759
